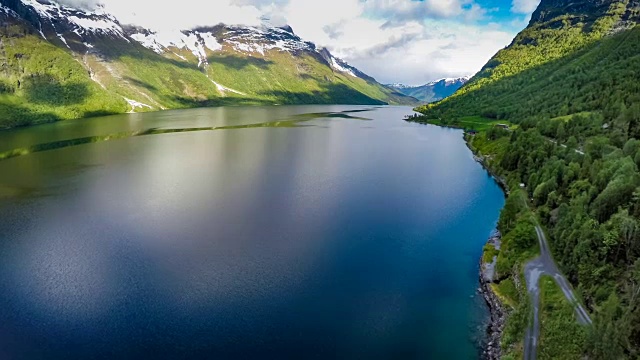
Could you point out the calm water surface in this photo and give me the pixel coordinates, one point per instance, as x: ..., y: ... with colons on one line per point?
x: 270, y: 232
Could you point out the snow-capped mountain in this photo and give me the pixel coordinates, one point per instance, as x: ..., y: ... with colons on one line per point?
x: 143, y: 69
x: 56, y: 22
x: 70, y: 25
x: 252, y: 41
x: 434, y: 90
x: 451, y: 81
x: 399, y: 86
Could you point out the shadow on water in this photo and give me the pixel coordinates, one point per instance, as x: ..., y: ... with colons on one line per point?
x: 294, y: 122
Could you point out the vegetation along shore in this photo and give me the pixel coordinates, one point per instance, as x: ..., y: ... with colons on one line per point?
x: 566, y: 89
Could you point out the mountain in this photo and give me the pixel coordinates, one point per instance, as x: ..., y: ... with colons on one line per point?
x: 562, y: 49
x: 59, y: 62
x: 433, y: 91
x: 569, y: 86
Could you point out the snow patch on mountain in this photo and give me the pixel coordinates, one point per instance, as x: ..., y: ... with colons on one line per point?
x: 8, y: 11
x: 210, y: 41
x: 81, y: 22
x: 149, y: 41
x: 243, y: 39
x: 251, y: 39
x: 194, y: 41
x: 338, y: 65
x: 399, y: 86
x: 223, y: 89
x: 449, y: 81
x: 195, y: 44
x: 42, y: 9
x: 444, y: 81
x: 135, y: 105
x: 63, y: 40
x: 97, y: 25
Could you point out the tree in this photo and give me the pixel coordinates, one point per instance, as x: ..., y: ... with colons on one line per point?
x: 523, y: 235
x: 561, y: 133
x: 509, y: 213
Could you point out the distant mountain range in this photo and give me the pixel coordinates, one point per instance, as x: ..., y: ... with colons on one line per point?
x: 433, y: 91
x: 58, y: 62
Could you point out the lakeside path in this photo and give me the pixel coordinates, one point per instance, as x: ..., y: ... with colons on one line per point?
x: 544, y: 265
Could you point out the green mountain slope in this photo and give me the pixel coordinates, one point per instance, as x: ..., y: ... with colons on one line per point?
x: 570, y: 82
x: 558, y: 54
x: 40, y: 81
x: 60, y: 63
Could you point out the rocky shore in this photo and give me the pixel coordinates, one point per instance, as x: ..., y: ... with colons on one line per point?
x: 502, y: 182
x: 492, y: 349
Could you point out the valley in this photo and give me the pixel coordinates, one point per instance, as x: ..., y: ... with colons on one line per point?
x: 239, y: 191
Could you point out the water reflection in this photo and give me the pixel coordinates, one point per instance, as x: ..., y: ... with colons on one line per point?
x: 18, y: 136
x: 269, y: 241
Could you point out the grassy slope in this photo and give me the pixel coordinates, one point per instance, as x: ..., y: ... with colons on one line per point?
x: 561, y: 337
x: 285, y: 79
x: 477, y: 123
x: 40, y: 82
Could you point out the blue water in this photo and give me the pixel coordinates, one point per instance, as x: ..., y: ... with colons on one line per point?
x: 313, y: 232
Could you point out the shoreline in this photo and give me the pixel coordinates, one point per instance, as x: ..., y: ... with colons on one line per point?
x: 482, y: 161
x: 491, y: 347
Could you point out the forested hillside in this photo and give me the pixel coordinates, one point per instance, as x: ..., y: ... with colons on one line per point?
x: 570, y: 85
x: 555, y: 67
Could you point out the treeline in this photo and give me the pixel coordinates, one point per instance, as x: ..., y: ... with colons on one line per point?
x: 590, y: 202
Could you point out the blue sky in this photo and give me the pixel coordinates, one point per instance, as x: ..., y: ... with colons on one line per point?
x: 407, y: 41
x: 509, y: 13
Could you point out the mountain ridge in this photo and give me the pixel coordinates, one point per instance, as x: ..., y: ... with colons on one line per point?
x: 434, y: 90
x: 115, y: 68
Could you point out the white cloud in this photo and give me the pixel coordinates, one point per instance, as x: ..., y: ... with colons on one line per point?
x: 184, y: 14
x: 402, y: 9
x: 391, y: 40
x: 524, y: 6
x: 439, y: 50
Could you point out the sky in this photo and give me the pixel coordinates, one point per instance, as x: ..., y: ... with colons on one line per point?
x: 395, y: 41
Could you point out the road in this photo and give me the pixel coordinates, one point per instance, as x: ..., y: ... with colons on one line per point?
x: 544, y: 265
x: 577, y: 151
